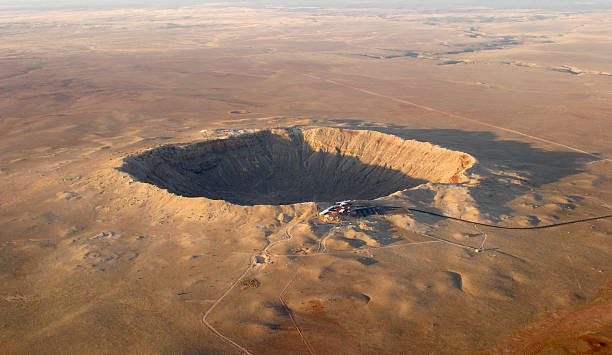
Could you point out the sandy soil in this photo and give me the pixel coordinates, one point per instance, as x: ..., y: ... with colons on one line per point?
x: 94, y: 259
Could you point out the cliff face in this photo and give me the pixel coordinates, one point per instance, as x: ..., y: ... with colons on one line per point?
x: 284, y: 166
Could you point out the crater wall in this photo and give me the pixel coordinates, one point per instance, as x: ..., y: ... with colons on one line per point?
x: 285, y: 166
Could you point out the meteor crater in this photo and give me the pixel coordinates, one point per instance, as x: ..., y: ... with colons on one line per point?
x: 293, y: 165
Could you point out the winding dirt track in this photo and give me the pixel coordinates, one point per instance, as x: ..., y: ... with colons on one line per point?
x: 287, y: 309
x: 545, y: 226
x: 322, y: 250
x: 253, y: 263
x: 322, y: 247
x: 207, y: 313
x: 290, y: 313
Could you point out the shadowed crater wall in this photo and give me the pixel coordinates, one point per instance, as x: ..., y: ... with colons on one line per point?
x: 285, y: 166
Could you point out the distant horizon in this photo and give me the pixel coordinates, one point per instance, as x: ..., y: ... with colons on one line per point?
x: 39, y: 5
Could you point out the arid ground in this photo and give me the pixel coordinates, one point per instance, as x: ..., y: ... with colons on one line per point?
x: 161, y: 173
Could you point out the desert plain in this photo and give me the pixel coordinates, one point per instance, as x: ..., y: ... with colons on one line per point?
x: 162, y: 171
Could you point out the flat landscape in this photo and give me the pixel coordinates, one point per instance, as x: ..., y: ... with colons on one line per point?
x: 162, y: 171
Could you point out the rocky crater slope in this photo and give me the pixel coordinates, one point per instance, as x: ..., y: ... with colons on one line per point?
x: 292, y: 165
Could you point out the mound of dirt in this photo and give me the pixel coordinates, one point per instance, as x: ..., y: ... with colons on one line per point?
x: 286, y: 166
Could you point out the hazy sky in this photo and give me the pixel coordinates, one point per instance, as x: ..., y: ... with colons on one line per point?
x: 100, y: 4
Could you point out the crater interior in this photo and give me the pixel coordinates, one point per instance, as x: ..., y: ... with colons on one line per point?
x: 292, y: 165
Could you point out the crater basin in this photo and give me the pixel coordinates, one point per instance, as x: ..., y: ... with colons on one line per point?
x: 293, y: 165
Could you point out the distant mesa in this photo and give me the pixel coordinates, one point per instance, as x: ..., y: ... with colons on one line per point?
x: 293, y: 165
x: 452, y: 62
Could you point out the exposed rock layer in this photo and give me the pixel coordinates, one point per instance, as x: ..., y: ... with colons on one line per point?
x: 285, y: 166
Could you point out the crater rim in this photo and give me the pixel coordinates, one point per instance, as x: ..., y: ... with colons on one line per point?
x: 284, y: 166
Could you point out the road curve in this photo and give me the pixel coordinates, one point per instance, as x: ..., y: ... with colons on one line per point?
x: 252, y: 263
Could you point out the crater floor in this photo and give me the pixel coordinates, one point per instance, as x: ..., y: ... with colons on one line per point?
x: 286, y: 166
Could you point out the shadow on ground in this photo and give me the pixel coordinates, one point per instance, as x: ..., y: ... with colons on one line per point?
x: 515, y: 168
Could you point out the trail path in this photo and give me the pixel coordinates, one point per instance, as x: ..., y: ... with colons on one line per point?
x: 214, y: 305
x: 290, y: 313
x: 454, y: 115
x: 322, y: 250
x: 322, y: 247
x: 253, y: 264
